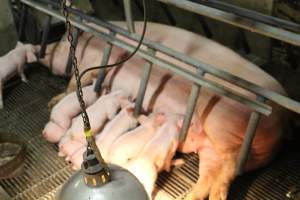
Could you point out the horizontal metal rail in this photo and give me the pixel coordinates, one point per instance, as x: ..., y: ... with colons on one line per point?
x: 242, y: 22
x: 259, y: 91
x: 217, y: 88
x: 250, y: 14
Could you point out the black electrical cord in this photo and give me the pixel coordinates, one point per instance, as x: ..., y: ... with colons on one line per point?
x: 131, y: 55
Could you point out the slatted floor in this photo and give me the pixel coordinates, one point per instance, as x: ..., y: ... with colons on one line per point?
x: 26, y: 113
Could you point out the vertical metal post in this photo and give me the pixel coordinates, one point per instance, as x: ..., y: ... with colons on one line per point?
x: 75, y: 35
x: 24, y: 11
x: 168, y: 13
x: 128, y: 15
x: 192, y: 101
x: 249, y: 136
x: 143, y: 86
x: 45, y: 37
x: 105, y: 60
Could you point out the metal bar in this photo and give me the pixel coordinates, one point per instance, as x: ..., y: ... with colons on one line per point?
x: 4, y: 195
x: 249, y: 136
x: 75, y: 34
x: 105, y: 59
x: 275, y: 97
x: 24, y: 11
x: 139, y: 6
x: 248, y: 24
x: 45, y: 37
x: 205, y: 27
x: 193, y: 98
x: 250, y: 14
x: 143, y: 86
x: 128, y: 15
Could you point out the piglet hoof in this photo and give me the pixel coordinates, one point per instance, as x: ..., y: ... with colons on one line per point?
x: 24, y: 79
x: 55, y: 100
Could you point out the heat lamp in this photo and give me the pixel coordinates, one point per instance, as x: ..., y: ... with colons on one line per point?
x: 91, y: 183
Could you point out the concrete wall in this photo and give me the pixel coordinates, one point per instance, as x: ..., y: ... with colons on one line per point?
x: 8, y: 34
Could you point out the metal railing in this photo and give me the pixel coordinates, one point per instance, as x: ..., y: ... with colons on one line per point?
x: 258, y: 105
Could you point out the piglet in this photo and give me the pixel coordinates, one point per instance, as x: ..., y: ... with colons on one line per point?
x: 120, y: 124
x: 157, y: 154
x: 62, y: 114
x: 13, y: 62
x: 123, y: 122
x: 103, y: 109
x: 127, y: 146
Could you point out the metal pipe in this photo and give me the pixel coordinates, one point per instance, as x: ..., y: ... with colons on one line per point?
x: 24, y: 11
x: 248, y: 24
x: 105, y: 58
x: 45, y: 37
x: 143, y: 85
x: 192, y: 101
x: 219, y: 89
x: 268, y: 94
x: 75, y: 34
x: 249, y: 136
x: 128, y: 15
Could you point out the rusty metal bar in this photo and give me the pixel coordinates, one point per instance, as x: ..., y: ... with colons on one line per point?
x: 24, y: 11
x: 192, y: 102
x: 245, y: 23
x: 128, y: 15
x: 143, y: 86
x: 105, y: 58
x: 44, y: 41
x: 75, y: 35
x: 249, y: 136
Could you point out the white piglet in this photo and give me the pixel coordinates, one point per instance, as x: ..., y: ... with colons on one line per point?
x: 13, y: 62
x: 128, y: 145
x: 156, y: 155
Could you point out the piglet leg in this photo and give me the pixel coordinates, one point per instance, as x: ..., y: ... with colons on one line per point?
x: 23, y: 77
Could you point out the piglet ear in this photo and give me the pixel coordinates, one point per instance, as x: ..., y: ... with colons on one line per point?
x: 19, y: 44
x: 130, y: 110
x: 180, y: 123
x: 31, y: 57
